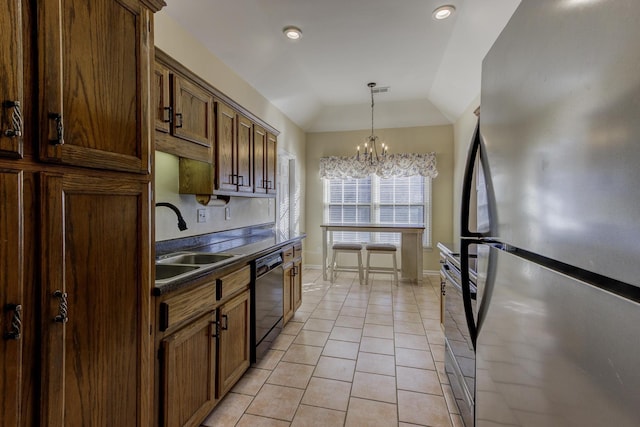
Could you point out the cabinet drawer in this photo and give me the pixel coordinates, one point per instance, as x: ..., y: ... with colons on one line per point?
x: 292, y: 252
x: 229, y: 284
x: 287, y: 254
x: 187, y: 305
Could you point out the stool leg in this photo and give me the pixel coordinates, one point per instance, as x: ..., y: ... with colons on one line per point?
x: 332, y: 270
x: 360, y: 275
x: 395, y: 269
x: 366, y: 271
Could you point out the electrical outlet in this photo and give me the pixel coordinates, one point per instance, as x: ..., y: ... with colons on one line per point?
x: 227, y: 213
x: 202, y: 215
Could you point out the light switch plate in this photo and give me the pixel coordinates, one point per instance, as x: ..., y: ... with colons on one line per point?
x: 202, y: 215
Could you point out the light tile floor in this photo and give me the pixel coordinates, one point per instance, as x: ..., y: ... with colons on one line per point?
x: 353, y: 355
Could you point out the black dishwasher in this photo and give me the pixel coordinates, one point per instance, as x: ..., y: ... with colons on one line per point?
x: 267, y: 306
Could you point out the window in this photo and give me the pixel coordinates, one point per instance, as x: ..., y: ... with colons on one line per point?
x: 402, y: 200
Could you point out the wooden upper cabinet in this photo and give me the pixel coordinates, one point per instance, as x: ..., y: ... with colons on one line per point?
x: 234, y: 151
x: 225, y: 147
x: 162, y: 109
x: 11, y: 92
x: 94, y: 63
x: 265, y: 149
x: 11, y: 297
x: 244, y: 158
x: 96, y: 270
x: 271, y: 162
x: 192, y: 113
x: 259, y: 152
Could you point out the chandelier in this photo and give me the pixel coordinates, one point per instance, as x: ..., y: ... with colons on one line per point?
x: 371, y: 154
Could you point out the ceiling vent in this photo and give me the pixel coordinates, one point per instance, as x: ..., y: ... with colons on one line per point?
x: 381, y: 89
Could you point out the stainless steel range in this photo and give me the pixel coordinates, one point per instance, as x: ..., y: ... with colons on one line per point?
x: 459, y: 352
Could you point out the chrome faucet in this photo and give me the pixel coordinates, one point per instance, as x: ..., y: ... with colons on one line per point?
x: 182, y: 225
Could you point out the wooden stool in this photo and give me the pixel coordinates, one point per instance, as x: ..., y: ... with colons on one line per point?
x: 382, y: 249
x: 347, y: 248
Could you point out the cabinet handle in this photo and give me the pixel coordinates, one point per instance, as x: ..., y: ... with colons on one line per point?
x: 179, y: 116
x: 16, y: 322
x: 225, y: 324
x: 62, y: 307
x: 16, y: 119
x: 168, y: 115
x: 241, y: 180
x: 216, y: 329
x: 59, y: 139
x: 294, y: 270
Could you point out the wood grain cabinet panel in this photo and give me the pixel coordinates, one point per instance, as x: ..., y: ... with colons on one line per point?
x: 162, y: 109
x: 193, y: 113
x: 11, y: 297
x: 271, y: 163
x: 225, y: 148
x: 259, y: 162
x: 12, y: 101
x: 244, y: 150
x: 233, y: 346
x: 189, y: 373
x: 96, y: 275
x: 94, y: 59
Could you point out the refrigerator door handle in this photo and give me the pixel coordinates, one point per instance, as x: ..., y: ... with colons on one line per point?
x: 466, y: 288
x: 474, y: 150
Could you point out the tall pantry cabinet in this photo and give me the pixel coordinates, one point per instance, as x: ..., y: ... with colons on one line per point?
x: 76, y: 254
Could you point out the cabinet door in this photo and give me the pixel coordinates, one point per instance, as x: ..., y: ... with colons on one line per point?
x: 287, y: 294
x: 225, y: 148
x: 245, y: 155
x: 96, y: 290
x: 11, y: 284
x: 234, y: 341
x: 11, y: 96
x: 193, y: 114
x: 94, y: 64
x: 189, y: 373
x: 162, y: 110
x: 271, y: 163
x: 296, y: 285
x: 259, y: 153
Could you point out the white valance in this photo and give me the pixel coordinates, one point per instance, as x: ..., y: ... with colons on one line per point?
x: 392, y: 165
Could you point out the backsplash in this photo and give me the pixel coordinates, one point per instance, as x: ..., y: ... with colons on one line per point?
x: 243, y: 211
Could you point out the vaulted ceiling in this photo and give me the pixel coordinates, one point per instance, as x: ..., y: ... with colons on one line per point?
x: 320, y: 81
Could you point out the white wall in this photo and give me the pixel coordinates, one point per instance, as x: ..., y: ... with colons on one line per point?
x: 179, y: 44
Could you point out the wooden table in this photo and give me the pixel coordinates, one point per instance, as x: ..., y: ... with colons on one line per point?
x: 410, y: 246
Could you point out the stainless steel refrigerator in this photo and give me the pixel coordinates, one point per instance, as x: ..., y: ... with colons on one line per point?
x: 556, y: 318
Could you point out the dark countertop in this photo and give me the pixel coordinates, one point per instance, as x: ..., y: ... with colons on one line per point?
x: 248, y: 244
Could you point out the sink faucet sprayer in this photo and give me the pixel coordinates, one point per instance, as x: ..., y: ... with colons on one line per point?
x: 182, y: 225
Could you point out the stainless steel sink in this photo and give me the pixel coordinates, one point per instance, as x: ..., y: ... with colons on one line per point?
x: 195, y: 258
x: 182, y: 265
x: 168, y: 271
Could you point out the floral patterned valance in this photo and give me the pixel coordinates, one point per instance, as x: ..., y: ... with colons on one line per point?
x: 393, y: 165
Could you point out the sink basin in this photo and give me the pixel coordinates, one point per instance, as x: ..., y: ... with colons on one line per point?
x: 195, y: 258
x: 167, y: 271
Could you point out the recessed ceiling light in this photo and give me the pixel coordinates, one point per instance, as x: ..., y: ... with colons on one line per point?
x: 293, y: 33
x: 443, y: 12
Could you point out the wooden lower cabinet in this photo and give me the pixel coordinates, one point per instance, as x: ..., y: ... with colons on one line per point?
x: 96, y: 301
x: 233, y: 347
x: 189, y: 367
x: 11, y: 297
x: 202, y: 355
x: 292, y: 286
